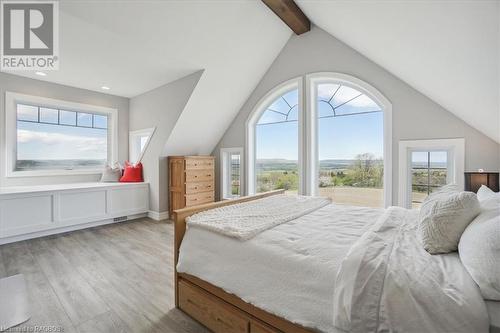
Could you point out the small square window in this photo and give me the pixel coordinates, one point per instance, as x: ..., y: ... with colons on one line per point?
x: 67, y: 118
x: 84, y: 119
x: 50, y: 116
x: 27, y: 112
x: 100, y: 121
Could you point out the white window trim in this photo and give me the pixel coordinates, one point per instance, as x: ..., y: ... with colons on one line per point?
x: 456, y: 163
x: 254, y: 117
x: 225, y: 176
x: 308, y: 136
x: 11, y: 99
x: 139, y: 133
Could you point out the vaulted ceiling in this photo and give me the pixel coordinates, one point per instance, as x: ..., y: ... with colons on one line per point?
x: 448, y: 50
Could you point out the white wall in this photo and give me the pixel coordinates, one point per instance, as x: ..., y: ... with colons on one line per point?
x: 160, y: 108
x: 414, y: 115
x: 28, y: 86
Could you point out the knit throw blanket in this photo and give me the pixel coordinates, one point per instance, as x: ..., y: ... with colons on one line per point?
x: 246, y: 220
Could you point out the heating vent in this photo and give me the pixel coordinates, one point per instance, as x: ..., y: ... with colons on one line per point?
x: 120, y: 219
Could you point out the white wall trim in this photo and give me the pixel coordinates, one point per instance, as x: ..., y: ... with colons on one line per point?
x: 456, y: 167
x: 259, y: 108
x: 158, y: 216
x: 12, y: 98
x: 225, y: 175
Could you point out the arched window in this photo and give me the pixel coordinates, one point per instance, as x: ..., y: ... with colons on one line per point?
x: 276, y: 145
x: 338, y: 146
x: 273, y: 136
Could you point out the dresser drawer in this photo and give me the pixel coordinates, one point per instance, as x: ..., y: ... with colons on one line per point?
x: 199, y: 198
x: 199, y: 175
x: 216, y: 315
x: 199, y: 164
x: 192, y: 188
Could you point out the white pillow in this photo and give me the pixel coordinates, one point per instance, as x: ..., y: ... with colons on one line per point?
x: 111, y: 175
x: 488, y: 198
x: 479, y: 250
x: 443, y: 217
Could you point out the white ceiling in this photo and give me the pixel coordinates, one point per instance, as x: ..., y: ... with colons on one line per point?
x: 135, y: 46
x: 448, y: 50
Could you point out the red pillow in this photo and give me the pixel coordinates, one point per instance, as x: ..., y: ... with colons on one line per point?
x: 132, y: 173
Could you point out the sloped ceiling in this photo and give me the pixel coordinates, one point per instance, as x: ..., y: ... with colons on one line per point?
x: 448, y: 50
x: 135, y: 46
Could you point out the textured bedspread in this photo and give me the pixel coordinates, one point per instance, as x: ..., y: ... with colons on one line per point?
x: 245, y: 220
x: 288, y: 270
x: 389, y: 283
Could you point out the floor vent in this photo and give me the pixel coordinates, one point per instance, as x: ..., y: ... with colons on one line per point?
x: 120, y: 219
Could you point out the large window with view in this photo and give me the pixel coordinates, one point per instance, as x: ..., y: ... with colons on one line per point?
x: 350, y: 146
x: 49, y: 135
x: 277, y: 139
x: 325, y: 134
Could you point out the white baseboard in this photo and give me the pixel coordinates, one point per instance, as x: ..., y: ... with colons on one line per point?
x: 54, y: 231
x: 158, y: 216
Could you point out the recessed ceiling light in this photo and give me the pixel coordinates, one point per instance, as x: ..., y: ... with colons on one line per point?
x: 41, y: 73
x: 105, y: 88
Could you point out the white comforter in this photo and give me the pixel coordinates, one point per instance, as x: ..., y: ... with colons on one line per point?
x: 389, y: 283
x: 288, y: 270
x: 248, y: 219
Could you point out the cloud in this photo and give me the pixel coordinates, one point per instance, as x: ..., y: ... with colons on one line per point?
x: 344, y: 94
x: 74, y: 143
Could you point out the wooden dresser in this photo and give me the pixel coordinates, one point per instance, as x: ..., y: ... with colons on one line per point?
x: 190, y: 181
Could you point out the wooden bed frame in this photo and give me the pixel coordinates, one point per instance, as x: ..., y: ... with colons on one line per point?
x: 216, y: 309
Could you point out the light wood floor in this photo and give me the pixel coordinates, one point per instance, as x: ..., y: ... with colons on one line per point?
x: 114, y: 278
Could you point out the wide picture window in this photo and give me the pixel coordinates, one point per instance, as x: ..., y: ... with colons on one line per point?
x: 52, y: 135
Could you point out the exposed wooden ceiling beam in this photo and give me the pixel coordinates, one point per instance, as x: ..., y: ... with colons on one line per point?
x: 291, y: 14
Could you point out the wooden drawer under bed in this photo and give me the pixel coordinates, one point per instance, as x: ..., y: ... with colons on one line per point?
x: 216, y: 314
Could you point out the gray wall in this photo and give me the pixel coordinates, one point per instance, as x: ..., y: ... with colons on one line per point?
x: 160, y: 108
x: 414, y: 115
x: 28, y: 86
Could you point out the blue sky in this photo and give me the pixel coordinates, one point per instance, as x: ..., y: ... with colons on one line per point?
x: 339, y: 137
x: 44, y: 142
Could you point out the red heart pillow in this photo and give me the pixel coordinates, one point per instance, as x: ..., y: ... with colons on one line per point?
x: 132, y: 173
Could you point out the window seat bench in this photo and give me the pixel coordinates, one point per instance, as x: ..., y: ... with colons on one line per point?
x: 33, y: 211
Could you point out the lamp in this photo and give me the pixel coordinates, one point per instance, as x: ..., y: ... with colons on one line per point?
x: 474, y: 180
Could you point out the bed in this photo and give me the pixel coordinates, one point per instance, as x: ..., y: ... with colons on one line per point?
x: 282, y: 279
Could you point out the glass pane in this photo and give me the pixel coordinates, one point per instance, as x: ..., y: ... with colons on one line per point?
x: 67, y: 118
x: 235, y: 174
x: 100, y: 121
x: 45, y: 147
x: 27, y: 112
x: 84, y: 119
x: 344, y: 95
x: 360, y: 104
x: 350, y: 148
x: 270, y: 117
x: 49, y: 115
x: 439, y: 169
x: 327, y: 90
x: 143, y: 140
x: 429, y: 171
x: 419, y: 177
x: 277, y: 149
